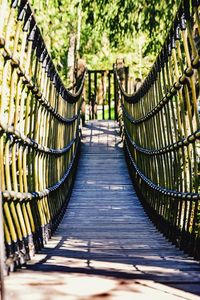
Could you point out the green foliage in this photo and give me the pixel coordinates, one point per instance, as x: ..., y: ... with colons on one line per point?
x: 109, y: 29
x: 124, y: 18
x: 56, y: 19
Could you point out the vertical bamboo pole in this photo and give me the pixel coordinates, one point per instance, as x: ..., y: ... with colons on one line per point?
x: 2, y: 254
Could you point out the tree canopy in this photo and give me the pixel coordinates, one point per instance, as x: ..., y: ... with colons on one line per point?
x: 134, y: 29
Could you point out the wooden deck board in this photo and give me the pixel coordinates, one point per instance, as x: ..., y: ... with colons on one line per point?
x: 106, y: 247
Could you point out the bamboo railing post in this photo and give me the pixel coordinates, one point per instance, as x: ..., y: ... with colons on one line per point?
x: 2, y: 251
x: 38, y: 136
x: 162, y: 133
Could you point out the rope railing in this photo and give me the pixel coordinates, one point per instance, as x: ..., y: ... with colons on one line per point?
x: 161, y: 126
x: 39, y: 134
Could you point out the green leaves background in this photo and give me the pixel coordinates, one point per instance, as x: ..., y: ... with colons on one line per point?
x: 109, y: 29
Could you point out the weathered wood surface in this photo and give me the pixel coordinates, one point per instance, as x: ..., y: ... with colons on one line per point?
x: 106, y: 247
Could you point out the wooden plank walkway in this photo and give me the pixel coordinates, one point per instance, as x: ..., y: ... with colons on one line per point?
x: 106, y: 247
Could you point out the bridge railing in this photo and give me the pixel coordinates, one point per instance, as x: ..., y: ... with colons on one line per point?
x: 162, y: 133
x: 100, y: 95
x: 39, y: 134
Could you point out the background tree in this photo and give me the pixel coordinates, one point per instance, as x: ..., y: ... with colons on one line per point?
x: 134, y: 29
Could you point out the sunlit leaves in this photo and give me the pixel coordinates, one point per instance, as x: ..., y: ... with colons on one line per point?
x: 109, y: 28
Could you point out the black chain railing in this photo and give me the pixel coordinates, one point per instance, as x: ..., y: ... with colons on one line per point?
x: 162, y: 133
x: 39, y: 134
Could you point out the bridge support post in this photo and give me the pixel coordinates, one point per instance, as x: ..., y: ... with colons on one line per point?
x: 109, y: 98
x: 89, y: 95
x: 116, y: 97
x: 94, y: 104
x: 126, y: 71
